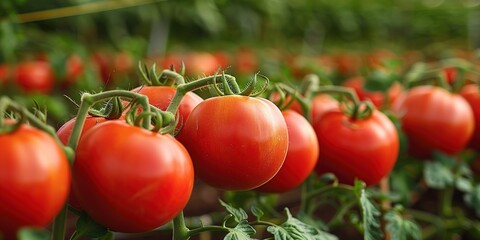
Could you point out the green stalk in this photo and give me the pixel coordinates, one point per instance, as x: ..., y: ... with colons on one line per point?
x: 58, y: 230
x: 180, y: 230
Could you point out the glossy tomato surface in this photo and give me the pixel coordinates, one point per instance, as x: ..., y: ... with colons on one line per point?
x: 34, y: 76
x: 301, y: 157
x: 434, y: 119
x: 130, y: 179
x: 161, y: 96
x: 66, y: 129
x: 365, y: 149
x: 236, y: 142
x: 471, y: 93
x: 34, y: 180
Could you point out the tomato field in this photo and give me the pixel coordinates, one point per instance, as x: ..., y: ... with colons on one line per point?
x: 236, y: 120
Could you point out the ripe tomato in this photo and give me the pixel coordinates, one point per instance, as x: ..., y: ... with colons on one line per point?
x: 34, y: 76
x: 161, y: 96
x: 236, y: 142
x: 130, y: 179
x: 201, y: 63
x: 75, y: 69
x: 320, y: 104
x: 245, y: 61
x: 103, y: 66
x: 471, y: 93
x: 377, y: 97
x: 434, y: 119
x: 169, y: 60
x: 66, y: 129
x: 4, y: 74
x: 301, y: 157
x: 34, y: 180
x: 123, y: 62
x: 450, y: 73
x: 364, y: 149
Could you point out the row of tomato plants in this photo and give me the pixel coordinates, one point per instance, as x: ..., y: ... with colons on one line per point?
x: 129, y: 174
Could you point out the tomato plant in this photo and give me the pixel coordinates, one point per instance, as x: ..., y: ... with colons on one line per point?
x: 130, y: 179
x: 161, y: 96
x: 34, y: 179
x: 75, y: 69
x: 34, y: 76
x: 434, y: 119
x: 364, y: 149
x: 378, y: 98
x: 243, y: 140
x: 302, y: 155
x: 320, y: 104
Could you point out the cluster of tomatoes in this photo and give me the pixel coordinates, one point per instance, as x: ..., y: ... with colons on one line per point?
x: 130, y: 179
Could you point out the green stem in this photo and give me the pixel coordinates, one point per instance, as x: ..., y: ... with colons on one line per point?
x: 305, y: 189
x: 58, y: 230
x: 262, y: 223
x: 304, y: 101
x: 207, y: 229
x: 309, y: 197
x: 338, y: 218
x: 446, y: 201
x: 180, y: 230
x: 182, y: 89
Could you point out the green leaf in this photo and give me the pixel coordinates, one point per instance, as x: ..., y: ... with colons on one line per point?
x: 257, y: 212
x: 242, y: 231
x: 238, y: 213
x: 89, y: 228
x: 379, y: 81
x: 473, y: 199
x: 294, y: 229
x: 108, y: 236
x: 370, y: 214
x: 437, y: 175
x: 401, y: 228
x: 33, y: 234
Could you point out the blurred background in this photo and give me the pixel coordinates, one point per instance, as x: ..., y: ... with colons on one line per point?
x: 53, y: 48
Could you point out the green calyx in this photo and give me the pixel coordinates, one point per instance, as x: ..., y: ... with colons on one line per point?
x: 168, y: 77
x: 229, y: 85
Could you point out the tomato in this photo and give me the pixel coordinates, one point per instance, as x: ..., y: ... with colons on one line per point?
x: 34, y: 76
x: 123, y: 62
x: 34, y: 180
x: 245, y: 61
x: 130, y: 179
x: 171, y: 59
x: 302, y: 155
x: 364, y: 149
x: 161, y: 96
x: 471, y: 93
x: 347, y: 64
x: 103, y: 66
x: 320, y: 104
x: 434, y: 119
x: 223, y: 59
x: 377, y: 97
x: 450, y: 73
x: 66, y: 129
x: 236, y: 142
x: 201, y: 63
x: 75, y: 69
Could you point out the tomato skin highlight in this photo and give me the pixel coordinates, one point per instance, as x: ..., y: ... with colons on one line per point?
x: 236, y: 142
x: 301, y: 157
x: 34, y: 180
x: 434, y: 119
x: 161, y: 96
x: 139, y: 181
x: 365, y: 149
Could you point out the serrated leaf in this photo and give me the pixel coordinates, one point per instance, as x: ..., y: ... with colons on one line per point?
x: 294, y: 229
x: 89, y: 228
x: 238, y: 213
x: 242, y: 231
x: 472, y: 199
x: 257, y: 212
x: 33, y: 234
x: 400, y: 228
x: 370, y: 214
x: 437, y: 175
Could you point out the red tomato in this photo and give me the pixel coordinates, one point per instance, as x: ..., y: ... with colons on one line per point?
x: 169, y: 60
x: 450, y: 73
x: 103, y: 66
x: 34, y: 180
x: 201, y: 63
x: 130, y: 179
x: 75, y: 69
x: 471, y: 93
x: 223, y: 59
x: 434, y: 119
x: 321, y: 104
x: 246, y: 62
x: 236, y: 142
x: 377, y: 97
x: 301, y: 157
x: 364, y: 149
x: 161, y: 96
x: 34, y: 76
x: 347, y: 64
x: 66, y: 129
x: 123, y: 62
